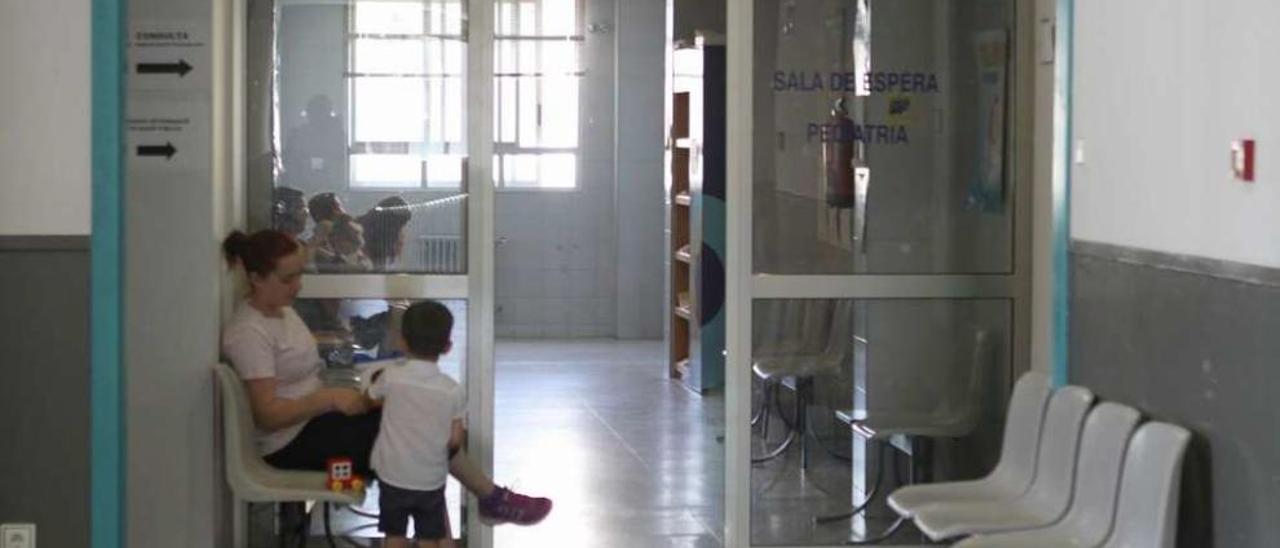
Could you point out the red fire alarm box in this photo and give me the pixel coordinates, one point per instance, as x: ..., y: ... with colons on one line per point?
x: 1242, y: 159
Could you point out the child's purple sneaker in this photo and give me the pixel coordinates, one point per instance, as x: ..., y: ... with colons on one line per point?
x: 506, y: 506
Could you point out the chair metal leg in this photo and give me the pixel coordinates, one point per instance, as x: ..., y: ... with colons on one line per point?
x: 804, y: 392
x: 786, y: 443
x: 867, y: 500
x: 239, y: 523
x: 764, y: 403
x: 915, y: 470
x: 293, y: 524
x: 769, y: 404
x: 886, y: 535
x: 304, y: 527
x: 770, y: 396
x: 362, y: 513
x: 328, y: 528
x: 777, y: 406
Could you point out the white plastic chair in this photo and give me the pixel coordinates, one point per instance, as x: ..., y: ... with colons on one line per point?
x: 1016, y: 468
x: 1146, y: 516
x: 252, y: 479
x: 821, y: 343
x: 1089, y: 520
x: 952, y: 417
x: 1050, y: 493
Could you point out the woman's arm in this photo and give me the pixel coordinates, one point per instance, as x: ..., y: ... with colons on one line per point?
x: 251, y: 350
x: 271, y: 412
x: 457, y: 435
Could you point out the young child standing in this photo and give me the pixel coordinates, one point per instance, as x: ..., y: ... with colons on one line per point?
x: 421, y: 429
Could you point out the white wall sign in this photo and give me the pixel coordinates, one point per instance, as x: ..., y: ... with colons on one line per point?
x: 167, y: 55
x: 167, y: 135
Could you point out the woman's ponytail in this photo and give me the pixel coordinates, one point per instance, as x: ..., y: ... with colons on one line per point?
x: 235, y: 247
x: 258, y: 252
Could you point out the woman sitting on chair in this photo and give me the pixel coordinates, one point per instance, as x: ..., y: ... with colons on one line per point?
x: 300, y: 422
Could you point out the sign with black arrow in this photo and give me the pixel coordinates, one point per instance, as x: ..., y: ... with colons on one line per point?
x: 181, y: 68
x: 168, y: 55
x: 165, y: 150
x: 167, y: 134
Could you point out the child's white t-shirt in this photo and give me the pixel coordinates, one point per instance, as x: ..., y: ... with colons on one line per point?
x: 420, y: 404
x: 263, y: 347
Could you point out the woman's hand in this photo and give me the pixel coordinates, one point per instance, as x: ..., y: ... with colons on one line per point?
x: 347, y: 401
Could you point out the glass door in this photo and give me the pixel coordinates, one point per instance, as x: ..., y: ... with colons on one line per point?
x: 879, y: 269
x: 365, y: 141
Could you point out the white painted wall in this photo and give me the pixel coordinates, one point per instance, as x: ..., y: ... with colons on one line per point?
x: 641, y: 47
x: 44, y: 117
x: 556, y: 273
x: 1160, y: 93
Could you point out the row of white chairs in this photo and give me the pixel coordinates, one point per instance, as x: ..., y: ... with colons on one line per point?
x: 1071, y: 474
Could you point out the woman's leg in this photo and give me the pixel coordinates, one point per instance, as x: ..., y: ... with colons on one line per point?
x: 335, y: 434
x: 469, y: 474
x: 497, y: 505
x: 330, y: 435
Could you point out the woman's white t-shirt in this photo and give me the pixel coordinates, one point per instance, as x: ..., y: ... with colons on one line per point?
x: 263, y: 347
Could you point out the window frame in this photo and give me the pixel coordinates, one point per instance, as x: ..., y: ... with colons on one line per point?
x: 426, y: 146
x: 501, y: 148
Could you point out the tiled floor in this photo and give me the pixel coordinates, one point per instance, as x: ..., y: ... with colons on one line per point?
x: 632, y: 459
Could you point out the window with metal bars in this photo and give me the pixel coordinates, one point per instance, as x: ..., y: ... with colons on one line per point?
x: 407, y: 83
x: 537, y: 80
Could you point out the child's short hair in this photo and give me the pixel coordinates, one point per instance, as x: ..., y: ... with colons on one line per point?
x: 426, y: 328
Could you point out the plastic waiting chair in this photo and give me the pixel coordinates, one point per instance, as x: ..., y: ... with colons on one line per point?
x: 950, y: 417
x: 1050, y: 493
x: 1106, y: 434
x: 823, y: 345
x: 252, y: 479
x: 1147, y: 514
x: 1016, y: 468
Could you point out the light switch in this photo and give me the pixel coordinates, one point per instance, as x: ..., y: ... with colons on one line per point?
x: 1077, y: 155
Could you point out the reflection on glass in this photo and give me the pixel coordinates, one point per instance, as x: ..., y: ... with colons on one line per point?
x: 880, y: 136
x: 364, y: 104
x: 903, y: 365
x: 354, y: 332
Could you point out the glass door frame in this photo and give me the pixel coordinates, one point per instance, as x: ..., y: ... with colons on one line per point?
x: 476, y: 286
x: 743, y: 285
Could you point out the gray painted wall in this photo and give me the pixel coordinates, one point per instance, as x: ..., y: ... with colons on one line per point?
x: 1198, y: 350
x: 1158, y: 98
x: 44, y: 397
x: 692, y: 16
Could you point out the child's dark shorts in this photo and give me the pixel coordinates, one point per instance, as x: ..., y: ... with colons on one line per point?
x: 426, y: 507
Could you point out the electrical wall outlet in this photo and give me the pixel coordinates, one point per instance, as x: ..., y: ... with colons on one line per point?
x: 18, y: 535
